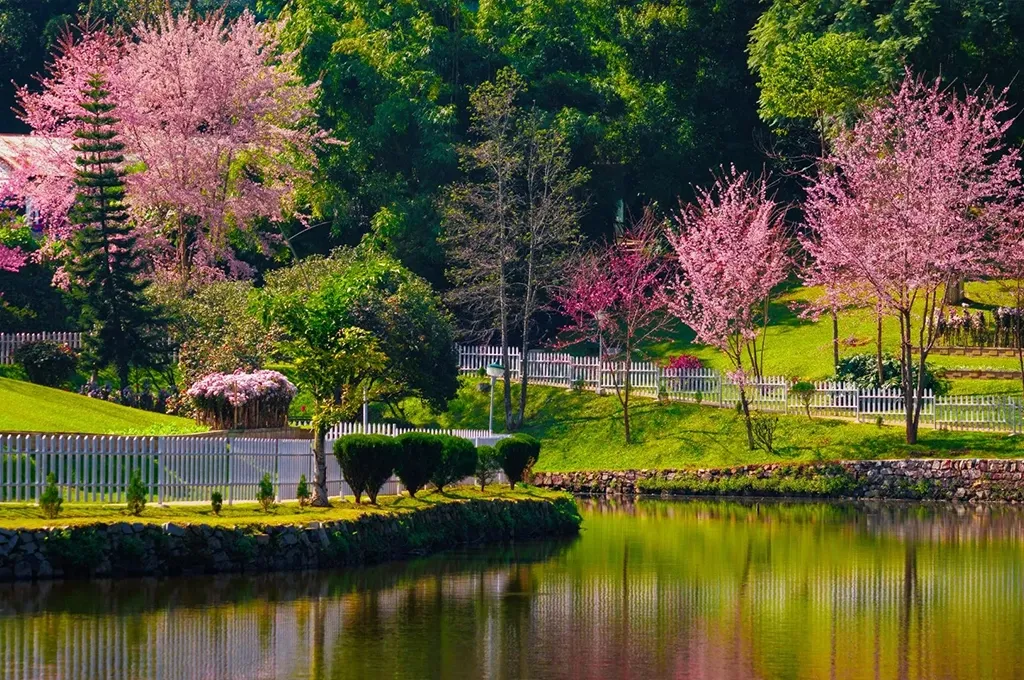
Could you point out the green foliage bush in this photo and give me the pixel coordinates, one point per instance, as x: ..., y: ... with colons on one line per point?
x: 302, y: 491
x: 46, y: 362
x: 458, y: 461
x: 487, y: 465
x: 517, y: 454
x: 862, y: 369
x: 418, y: 460
x: 136, y: 493
x: 366, y: 460
x: 265, y: 493
x: 763, y: 426
x: 216, y: 502
x: 50, y: 501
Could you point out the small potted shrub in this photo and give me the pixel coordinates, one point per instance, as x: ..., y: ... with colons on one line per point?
x: 216, y: 502
x: 50, y: 502
x: 265, y: 493
x: 136, y: 493
x: 302, y: 492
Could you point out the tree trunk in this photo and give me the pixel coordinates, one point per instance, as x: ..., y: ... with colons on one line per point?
x: 520, y: 416
x: 954, y: 294
x: 746, y: 417
x: 319, y: 498
x: 878, y: 348
x: 627, y: 384
x: 906, y: 362
x: 123, y: 373
x: 835, y: 341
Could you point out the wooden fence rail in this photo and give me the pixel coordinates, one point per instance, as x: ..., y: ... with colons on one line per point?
x: 995, y: 413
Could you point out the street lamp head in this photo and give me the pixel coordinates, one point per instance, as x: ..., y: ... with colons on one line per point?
x: 495, y: 370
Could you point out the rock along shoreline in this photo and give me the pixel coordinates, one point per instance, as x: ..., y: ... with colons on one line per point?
x: 953, y: 479
x: 126, y: 549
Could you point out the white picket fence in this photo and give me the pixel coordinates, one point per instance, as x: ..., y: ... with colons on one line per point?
x: 996, y: 413
x: 97, y: 468
x: 9, y: 342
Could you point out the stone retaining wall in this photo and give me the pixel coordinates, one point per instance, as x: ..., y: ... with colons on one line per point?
x: 967, y: 479
x: 136, y: 549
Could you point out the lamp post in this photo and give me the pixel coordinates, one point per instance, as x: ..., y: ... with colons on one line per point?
x: 494, y: 370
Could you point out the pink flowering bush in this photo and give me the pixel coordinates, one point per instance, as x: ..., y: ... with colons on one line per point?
x: 683, y: 362
x: 242, y: 400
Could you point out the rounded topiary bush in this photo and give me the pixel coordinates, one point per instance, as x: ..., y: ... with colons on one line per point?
x: 418, y: 459
x: 46, y: 362
x: 517, y: 454
x: 458, y: 461
x: 367, y: 461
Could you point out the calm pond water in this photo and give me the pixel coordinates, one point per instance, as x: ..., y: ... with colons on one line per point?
x: 688, y: 589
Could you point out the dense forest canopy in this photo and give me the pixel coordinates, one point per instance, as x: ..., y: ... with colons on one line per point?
x: 650, y: 96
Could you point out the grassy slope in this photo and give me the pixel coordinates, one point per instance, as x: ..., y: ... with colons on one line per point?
x: 25, y: 407
x: 27, y: 516
x: 582, y: 431
x: 802, y: 348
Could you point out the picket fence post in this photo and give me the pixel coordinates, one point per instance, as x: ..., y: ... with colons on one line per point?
x: 160, y: 479
x: 227, y: 471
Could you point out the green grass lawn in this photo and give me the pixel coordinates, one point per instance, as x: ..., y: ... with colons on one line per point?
x: 27, y: 515
x: 802, y: 348
x: 25, y: 407
x: 582, y: 431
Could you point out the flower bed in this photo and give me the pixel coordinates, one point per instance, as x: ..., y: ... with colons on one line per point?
x: 242, y: 400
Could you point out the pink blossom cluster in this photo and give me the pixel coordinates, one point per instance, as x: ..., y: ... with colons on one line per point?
x: 683, y: 362
x: 240, y: 389
x: 198, y: 99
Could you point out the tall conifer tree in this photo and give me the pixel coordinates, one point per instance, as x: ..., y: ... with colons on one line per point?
x: 122, y: 325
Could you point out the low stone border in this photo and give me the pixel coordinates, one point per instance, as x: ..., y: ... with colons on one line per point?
x: 967, y: 479
x: 136, y: 549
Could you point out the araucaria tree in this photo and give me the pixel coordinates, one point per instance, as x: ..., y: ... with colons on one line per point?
x: 614, y: 294
x: 122, y: 326
x: 730, y: 246
x: 509, y: 227
x: 907, y: 201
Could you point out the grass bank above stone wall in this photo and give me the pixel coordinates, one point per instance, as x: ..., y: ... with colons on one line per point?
x: 115, y: 545
x: 582, y: 431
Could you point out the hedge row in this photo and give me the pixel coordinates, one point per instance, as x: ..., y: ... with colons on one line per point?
x: 367, y: 461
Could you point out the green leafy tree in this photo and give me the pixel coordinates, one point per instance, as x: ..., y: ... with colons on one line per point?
x: 367, y: 461
x: 359, y: 320
x: 302, y: 491
x: 419, y: 459
x: 458, y: 461
x: 122, y: 327
x: 487, y: 465
x: 265, y: 492
x: 510, y: 226
x: 517, y: 454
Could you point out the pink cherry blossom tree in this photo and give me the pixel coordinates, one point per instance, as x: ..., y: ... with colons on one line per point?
x: 218, y: 126
x: 730, y: 247
x: 614, y: 294
x: 907, y: 201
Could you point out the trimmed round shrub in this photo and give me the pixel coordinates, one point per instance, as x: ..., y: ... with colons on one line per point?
x: 487, y: 465
x: 46, y: 362
x: 418, y: 460
x: 367, y: 461
x: 458, y: 461
x: 517, y: 454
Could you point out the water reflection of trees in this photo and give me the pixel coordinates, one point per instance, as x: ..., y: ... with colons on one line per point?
x: 654, y: 589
